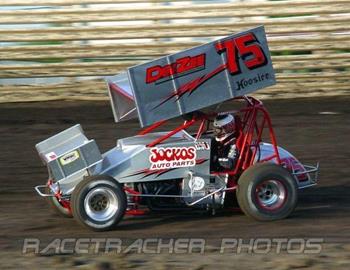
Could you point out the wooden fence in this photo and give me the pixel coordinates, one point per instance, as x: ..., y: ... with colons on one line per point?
x: 64, y: 47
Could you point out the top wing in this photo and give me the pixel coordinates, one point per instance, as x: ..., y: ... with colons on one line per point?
x: 199, y: 77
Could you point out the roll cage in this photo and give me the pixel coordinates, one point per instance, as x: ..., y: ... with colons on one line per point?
x: 254, y: 120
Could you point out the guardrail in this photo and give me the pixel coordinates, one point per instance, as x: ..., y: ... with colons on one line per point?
x: 71, y: 39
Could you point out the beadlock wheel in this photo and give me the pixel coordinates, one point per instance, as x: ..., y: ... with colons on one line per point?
x: 271, y: 194
x: 99, y: 203
x: 267, y: 192
x: 57, y: 207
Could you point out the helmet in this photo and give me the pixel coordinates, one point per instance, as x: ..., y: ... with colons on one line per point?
x: 224, y: 125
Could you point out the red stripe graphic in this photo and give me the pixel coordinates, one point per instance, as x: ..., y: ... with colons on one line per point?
x: 147, y: 172
x: 193, y: 85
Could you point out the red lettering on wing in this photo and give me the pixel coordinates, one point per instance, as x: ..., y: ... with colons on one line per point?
x: 246, y: 47
x: 180, y: 67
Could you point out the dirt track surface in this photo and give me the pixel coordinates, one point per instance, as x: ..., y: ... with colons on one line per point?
x: 313, y: 130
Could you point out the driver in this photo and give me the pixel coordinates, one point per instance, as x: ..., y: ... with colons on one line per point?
x: 225, y: 149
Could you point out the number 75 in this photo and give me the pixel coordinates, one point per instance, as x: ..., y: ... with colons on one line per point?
x: 244, y: 46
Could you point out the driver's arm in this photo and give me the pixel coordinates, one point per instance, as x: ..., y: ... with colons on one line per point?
x: 230, y: 161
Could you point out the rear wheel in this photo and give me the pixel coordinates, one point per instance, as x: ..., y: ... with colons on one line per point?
x: 267, y: 192
x: 57, y: 206
x: 99, y: 203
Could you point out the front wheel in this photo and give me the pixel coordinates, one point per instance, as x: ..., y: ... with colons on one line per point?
x: 267, y: 192
x: 99, y: 203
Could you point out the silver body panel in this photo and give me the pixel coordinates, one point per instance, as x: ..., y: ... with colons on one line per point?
x: 69, y: 156
x: 130, y: 161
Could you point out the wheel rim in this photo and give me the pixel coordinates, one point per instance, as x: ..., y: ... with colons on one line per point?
x: 101, y: 204
x: 271, y: 194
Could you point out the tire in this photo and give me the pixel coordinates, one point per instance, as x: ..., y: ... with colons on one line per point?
x: 57, y: 207
x: 267, y: 192
x: 99, y: 203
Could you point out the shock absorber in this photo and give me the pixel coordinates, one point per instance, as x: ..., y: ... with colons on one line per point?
x: 133, y: 202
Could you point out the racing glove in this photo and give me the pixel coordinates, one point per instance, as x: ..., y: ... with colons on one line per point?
x: 230, y: 161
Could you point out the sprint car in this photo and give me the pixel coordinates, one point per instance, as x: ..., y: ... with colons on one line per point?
x: 162, y: 170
